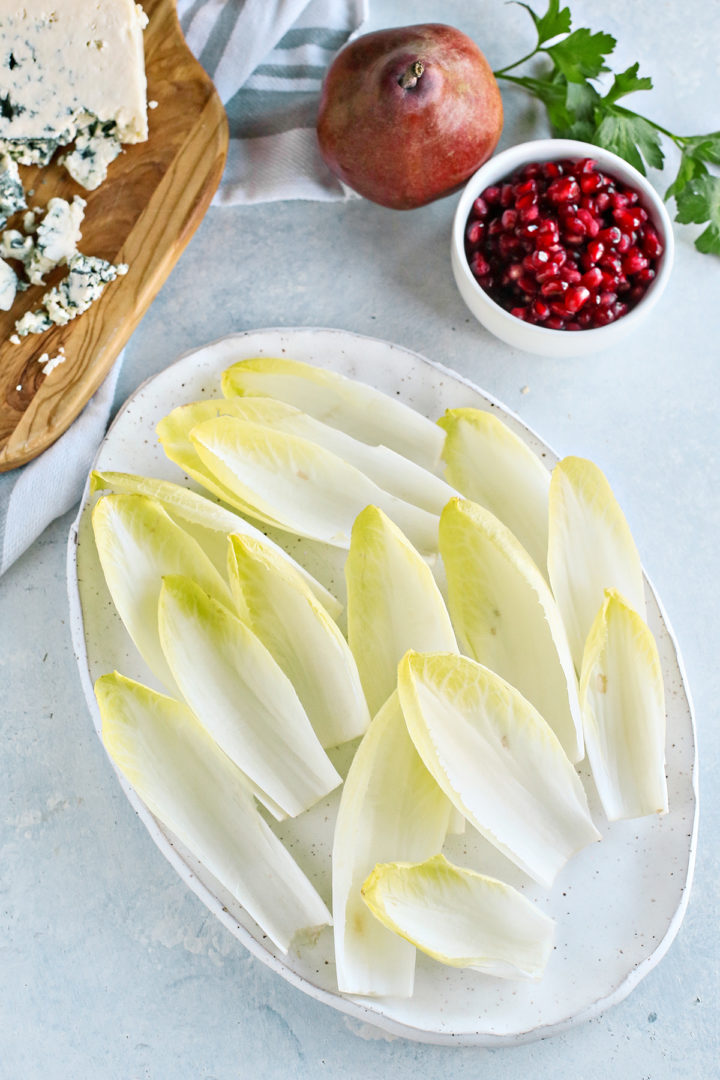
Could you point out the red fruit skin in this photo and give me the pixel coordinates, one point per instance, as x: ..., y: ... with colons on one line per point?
x: 405, y: 147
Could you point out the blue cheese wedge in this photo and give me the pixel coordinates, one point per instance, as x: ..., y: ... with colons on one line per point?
x: 60, y: 61
x: 56, y: 238
x: 96, y: 145
x: 8, y: 285
x: 12, y: 196
x: 13, y: 245
x: 86, y: 279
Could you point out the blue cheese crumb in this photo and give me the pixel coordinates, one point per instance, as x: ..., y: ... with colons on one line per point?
x: 84, y: 284
x: 12, y: 196
x: 96, y: 145
x: 8, y: 286
x: 56, y: 238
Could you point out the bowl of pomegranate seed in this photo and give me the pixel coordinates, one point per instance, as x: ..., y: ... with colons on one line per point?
x: 560, y: 248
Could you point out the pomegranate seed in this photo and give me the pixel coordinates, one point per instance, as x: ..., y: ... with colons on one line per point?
x: 630, y: 217
x: 480, y: 207
x: 590, y: 183
x: 574, y: 225
x: 575, y: 298
x: 558, y: 309
x: 495, y: 227
x: 644, y: 277
x: 508, y: 245
x: 539, y: 260
x: 618, y: 200
x: 555, y: 323
x: 529, y: 187
x: 515, y: 271
x: 571, y: 275
x: 610, y: 236
x: 531, y: 170
x: 602, y: 201
x: 527, y: 284
x: 558, y: 258
x: 506, y: 194
x: 634, y: 261
x: 612, y: 263
x: 475, y: 233
x: 593, y: 278
x: 519, y: 312
x: 541, y: 310
x: 526, y: 232
x: 549, y: 274
x: 479, y: 265
x: 563, y: 189
x: 528, y: 213
x: 509, y: 219
x: 551, y: 169
x: 607, y: 299
x: 651, y: 243
x: 554, y: 287
x: 591, y: 223
x: 624, y: 243
x: 573, y: 326
x: 491, y: 195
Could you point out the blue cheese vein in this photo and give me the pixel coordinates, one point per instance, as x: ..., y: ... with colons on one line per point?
x: 84, y: 284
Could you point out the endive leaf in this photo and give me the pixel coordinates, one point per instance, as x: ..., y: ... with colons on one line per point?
x: 624, y: 711
x: 461, y: 918
x: 173, y: 433
x: 491, y: 465
x: 277, y: 605
x: 354, y: 407
x: 190, y: 785
x: 390, y: 808
x: 299, y: 486
x: 206, y: 521
x: 391, y: 471
x: 497, y: 760
x: 590, y: 549
x: 506, y: 617
x: 241, y: 697
x: 393, y: 604
x: 138, y: 543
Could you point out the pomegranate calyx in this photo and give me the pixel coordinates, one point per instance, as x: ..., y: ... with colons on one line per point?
x: 410, y: 76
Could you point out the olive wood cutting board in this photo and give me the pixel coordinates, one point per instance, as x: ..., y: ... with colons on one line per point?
x: 144, y: 214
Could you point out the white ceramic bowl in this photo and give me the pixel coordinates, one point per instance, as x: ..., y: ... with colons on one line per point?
x: 527, y: 336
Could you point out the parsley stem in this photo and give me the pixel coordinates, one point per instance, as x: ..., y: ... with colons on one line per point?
x: 500, y: 74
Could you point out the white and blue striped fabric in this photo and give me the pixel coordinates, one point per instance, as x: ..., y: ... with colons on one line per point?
x: 267, y: 59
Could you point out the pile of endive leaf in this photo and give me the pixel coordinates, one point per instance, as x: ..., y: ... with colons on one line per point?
x: 494, y: 635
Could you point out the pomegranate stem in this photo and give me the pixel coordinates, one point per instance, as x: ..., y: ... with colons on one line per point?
x: 410, y: 76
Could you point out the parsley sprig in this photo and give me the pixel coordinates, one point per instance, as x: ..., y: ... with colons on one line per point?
x: 571, y: 89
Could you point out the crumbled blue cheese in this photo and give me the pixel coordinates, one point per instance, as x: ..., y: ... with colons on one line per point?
x: 87, y: 277
x: 96, y: 145
x: 59, y: 61
x: 12, y: 196
x: 32, y: 322
x: 49, y: 363
x: 31, y: 151
x: 8, y: 285
x: 56, y: 238
x: 13, y: 245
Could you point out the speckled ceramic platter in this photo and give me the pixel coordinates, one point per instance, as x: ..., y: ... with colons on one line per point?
x: 618, y: 904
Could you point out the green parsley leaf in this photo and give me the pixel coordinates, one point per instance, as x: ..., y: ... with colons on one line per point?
x: 698, y: 202
x: 704, y: 147
x: 554, y: 22
x: 690, y: 167
x: 581, y: 55
x: 627, y: 82
x: 630, y: 136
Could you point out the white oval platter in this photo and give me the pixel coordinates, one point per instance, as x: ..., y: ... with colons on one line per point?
x: 618, y: 904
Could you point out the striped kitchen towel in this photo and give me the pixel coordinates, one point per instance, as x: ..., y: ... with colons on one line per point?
x: 267, y: 58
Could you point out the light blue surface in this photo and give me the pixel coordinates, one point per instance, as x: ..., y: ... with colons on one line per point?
x: 110, y: 967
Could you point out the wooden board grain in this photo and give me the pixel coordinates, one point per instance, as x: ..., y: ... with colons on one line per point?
x: 144, y: 214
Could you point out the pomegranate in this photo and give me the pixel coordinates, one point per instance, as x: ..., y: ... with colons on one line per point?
x: 408, y: 114
x: 563, y: 245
